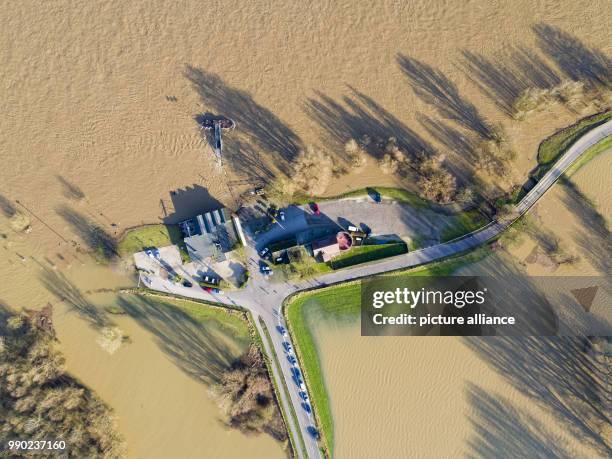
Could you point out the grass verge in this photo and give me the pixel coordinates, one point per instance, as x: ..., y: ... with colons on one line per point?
x: 554, y: 146
x: 157, y: 235
x: 230, y: 319
x: 595, y: 150
x: 367, y: 253
x: 463, y: 223
x: 397, y: 194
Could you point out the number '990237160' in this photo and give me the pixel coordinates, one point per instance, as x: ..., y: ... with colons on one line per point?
x: 27, y: 445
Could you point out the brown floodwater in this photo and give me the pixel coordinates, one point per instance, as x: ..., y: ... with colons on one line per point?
x: 452, y: 397
x: 162, y: 409
x: 100, y: 99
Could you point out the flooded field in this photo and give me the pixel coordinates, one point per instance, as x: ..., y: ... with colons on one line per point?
x: 154, y: 366
x: 100, y: 134
x: 483, y: 397
x: 438, y: 397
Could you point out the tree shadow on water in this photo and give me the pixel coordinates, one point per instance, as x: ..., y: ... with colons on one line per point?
x: 6, y: 207
x: 93, y: 235
x: 434, y: 88
x: 504, y: 79
x: 71, y: 191
x: 64, y: 290
x: 594, y: 239
x: 500, y: 430
x: 196, y: 350
x: 558, y: 375
x: 359, y: 115
x: 255, y: 124
x: 573, y: 57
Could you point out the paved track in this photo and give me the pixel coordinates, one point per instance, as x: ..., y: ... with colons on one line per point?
x: 265, y: 299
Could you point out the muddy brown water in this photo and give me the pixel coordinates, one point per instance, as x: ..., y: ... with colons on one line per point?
x: 444, y: 396
x: 100, y: 100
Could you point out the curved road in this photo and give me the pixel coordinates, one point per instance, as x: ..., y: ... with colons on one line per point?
x: 265, y: 299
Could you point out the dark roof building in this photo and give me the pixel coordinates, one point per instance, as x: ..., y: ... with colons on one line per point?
x: 209, y: 235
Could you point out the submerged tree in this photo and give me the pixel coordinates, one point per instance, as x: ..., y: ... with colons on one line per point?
x: 247, y: 398
x: 40, y: 401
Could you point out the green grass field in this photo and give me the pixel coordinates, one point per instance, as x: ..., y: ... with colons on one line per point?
x: 231, y: 321
x: 366, y: 253
x: 137, y: 239
x: 397, y: 194
x: 553, y: 147
x: 463, y: 223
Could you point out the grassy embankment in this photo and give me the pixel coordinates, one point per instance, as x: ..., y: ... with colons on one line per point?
x: 342, y: 301
x: 231, y: 320
x: 554, y: 146
x: 595, y: 150
x: 156, y: 235
x: 367, y: 253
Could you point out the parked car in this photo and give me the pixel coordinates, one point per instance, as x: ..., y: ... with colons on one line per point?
x: 296, y: 373
x: 301, y: 385
x: 314, y: 433
x: 265, y: 269
x: 153, y: 253
x: 265, y: 252
x: 213, y: 290
x: 306, y: 407
x: 287, y: 347
x: 292, y: 360
x: 281, y: 330
x: 315, y: 208
x: 352, y: 229
x: 210, y: 279
x: 259, y: 191
x: 303, y: 395
x: 281, y: 215
x: 186, y: 283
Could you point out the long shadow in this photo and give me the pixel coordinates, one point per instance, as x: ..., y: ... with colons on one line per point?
x: 256, y: 125
x: 70, y: 190
x: 196, y: 350
x: 574, y: 58
x: 6, y: 207
x: 95, y: 237
x: 189, y: 202
x: 594, y: 241
x: 503, y: 431
x: 504, y: 79
x: 434, y: 88
x: 557, y: 374
x: 358, y: 115
x: 458, y: 145
x: 64, y: 290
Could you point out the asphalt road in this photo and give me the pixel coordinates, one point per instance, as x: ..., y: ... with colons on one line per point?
x: 265, y: 299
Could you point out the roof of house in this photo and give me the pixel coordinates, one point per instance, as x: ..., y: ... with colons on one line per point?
x: 217, y: 235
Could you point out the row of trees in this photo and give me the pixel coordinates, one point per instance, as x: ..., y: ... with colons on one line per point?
x: 576, y: 96
x: 314, y: 169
